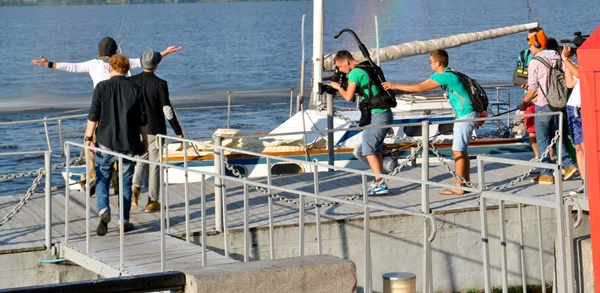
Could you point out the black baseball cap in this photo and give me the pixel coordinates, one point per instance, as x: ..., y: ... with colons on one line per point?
x: 107, y: 46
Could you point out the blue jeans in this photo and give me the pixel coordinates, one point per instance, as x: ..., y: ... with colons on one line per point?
x: 372, y: 139
x: 545, y: 130
x: 104, y: 169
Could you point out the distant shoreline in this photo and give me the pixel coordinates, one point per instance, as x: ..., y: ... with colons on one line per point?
x: 114, y: 2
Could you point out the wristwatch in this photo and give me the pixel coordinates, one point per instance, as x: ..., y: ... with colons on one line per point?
x: 88, y: 138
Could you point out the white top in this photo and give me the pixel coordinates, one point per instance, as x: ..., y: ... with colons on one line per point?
x: 97, y: 68
x: 575, y: 97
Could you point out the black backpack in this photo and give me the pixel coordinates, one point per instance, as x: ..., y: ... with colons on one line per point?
x: 383, y: 99
x: 521, y: 72
x: 477, y: 96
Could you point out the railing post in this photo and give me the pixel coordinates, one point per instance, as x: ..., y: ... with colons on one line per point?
x: 228, y: 108
x: 161, y: 195
x: 484, y: 226
x: 68, y: 170
x: 427, y: 280
x: 246, y: 225
x: 60, y: 137
x: 121, y: 217
x: 367, y: 237
x: 47, y: 157
x: 186, y: 193
x: 218, y: 152
x: 270, y: 203
x: 503, y: 248
x: 561, y: 282
x: 291, y: 101
x: 330, y: 160
x: 522, y: 249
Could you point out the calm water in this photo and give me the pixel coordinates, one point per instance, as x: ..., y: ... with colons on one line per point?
x: 243, y: 47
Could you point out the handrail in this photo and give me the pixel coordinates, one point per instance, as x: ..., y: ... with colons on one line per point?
x: 167, y: 281
x: 244, y: 181
x: 279, y: 188
x: 339, y: 168
x: 42, y: 120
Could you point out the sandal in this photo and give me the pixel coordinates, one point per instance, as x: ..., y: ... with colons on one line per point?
x: 450, y: 191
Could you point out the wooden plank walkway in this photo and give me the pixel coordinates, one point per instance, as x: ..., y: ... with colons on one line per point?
x: 26, y: 230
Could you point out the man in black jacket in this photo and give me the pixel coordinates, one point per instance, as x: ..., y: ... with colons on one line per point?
x: 118, y: 111
x: 155, y: 93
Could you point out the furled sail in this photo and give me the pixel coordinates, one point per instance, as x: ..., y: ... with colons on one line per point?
x: 423, y: 47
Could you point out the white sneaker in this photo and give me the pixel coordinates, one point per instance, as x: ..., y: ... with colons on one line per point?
x: 377, y: 188
x: 578, y: 191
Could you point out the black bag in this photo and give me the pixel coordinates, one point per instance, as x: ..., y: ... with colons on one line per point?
x: 520, y: 74
x: 384, y: 99
x: 365, y: 113
x: 477, y: 96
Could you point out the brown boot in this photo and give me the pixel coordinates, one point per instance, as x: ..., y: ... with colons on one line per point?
x: 135, y: 196
x: 152, y: 206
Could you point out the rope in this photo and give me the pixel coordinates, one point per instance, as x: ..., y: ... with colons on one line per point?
x: 119, y: 40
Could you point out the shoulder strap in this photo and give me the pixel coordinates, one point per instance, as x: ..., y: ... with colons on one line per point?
x: 522, y: 58
x: 363, y: 88
x: 543, y: 61
x: 456, y: 93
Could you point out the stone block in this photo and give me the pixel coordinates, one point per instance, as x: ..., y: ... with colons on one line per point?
x: 316, y: 273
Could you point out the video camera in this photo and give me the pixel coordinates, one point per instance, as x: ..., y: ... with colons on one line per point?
x: 338, y: 77
x: 577, y: 41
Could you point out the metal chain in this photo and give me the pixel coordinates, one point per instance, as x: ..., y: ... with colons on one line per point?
x: 17, y: 208
x: 348, y: 120
x: 30, y: 191
x: 499, y: 187
x: 450, y: 170
x: 18, y: 175
x: 526, y: 174
x: 275, y: 196
x: 35, y: 172
x: 410, y: 158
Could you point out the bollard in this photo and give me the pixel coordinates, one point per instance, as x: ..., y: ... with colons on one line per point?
x: 399, y: 282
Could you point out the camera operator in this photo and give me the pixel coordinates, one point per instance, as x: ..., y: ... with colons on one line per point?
x: 574, y: 111
x: 372, y: 139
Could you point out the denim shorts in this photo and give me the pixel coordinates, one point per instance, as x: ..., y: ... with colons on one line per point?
x: 463, y: 132
x: 372, y: 139
x: 575, y: 124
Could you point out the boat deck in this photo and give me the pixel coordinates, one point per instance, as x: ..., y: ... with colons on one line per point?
x: 26, y: 231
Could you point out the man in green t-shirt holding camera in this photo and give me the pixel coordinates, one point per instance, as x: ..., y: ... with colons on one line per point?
x: 372, y: 139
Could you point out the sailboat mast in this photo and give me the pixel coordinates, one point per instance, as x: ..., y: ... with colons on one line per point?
x: 317, y: 59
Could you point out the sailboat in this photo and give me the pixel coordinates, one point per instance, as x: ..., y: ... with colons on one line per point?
x: 301, y: 136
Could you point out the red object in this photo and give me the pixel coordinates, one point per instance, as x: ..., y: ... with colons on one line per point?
x: 588, y: 56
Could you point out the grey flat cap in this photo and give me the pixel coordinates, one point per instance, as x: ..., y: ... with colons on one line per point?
x: 150, y: 59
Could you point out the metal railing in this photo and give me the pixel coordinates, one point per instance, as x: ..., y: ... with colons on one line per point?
x: 319, y: 199
x: 164, y: 195
x: 564, y: 250
x: 167, y: 281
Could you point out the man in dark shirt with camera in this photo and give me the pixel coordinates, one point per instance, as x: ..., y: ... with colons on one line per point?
x: 118, y: 111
